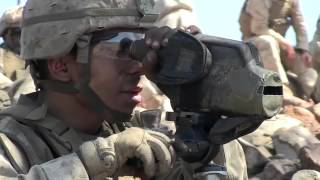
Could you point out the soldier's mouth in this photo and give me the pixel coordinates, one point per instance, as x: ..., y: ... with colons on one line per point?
x: 134, y: 94
x: 134, y: 90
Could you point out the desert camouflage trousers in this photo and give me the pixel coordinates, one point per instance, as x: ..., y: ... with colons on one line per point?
x: 269, y: 52
x: 271, y: 58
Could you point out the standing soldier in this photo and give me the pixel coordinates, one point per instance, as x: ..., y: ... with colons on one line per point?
x: 76, y: 125
x: 265, y: 23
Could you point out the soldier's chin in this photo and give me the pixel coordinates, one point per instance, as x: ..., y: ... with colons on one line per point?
x: 123, y: 115
x: 128, y: 108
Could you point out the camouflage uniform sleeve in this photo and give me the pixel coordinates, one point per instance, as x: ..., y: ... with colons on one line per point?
x: 1, y: 60
x: 178, y: 13
x: 259, y: 11
x: 315, y: 43
x: 299, y: 26
x: 14, y: 165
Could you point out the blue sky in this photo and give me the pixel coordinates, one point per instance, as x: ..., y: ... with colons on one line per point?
x: 220, y: 17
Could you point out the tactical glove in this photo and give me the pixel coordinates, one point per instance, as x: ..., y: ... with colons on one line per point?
x: 107, y: 155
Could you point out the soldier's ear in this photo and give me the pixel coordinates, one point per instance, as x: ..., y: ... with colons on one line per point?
x: 60, y: 69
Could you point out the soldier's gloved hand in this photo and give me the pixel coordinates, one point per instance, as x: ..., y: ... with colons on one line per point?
x: 157, y: 38
x: 108, y: 155
x: 154, y: 40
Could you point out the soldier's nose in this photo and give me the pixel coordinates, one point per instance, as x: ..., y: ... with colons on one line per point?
x: 136, y: 68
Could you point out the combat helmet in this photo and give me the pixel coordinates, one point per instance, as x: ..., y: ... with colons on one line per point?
x: 11, y: 18
x: 51, y: 27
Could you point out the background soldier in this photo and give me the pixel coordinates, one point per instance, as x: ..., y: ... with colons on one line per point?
x: 265, y: 23
x: 15, y: 78
x: 10, y: 32
x: 10, y: 64
x: 88, y: 86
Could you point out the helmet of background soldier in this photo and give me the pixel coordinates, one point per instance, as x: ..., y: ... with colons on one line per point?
x: 11, y: 18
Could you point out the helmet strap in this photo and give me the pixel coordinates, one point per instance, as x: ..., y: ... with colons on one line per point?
x: 83, y: 88
x: 83, y: 58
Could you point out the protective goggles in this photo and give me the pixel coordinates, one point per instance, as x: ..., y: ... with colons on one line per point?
x: 121, y: 42
x: 117, y: 37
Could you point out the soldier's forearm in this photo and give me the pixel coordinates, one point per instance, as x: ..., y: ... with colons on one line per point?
x: 68, y: 167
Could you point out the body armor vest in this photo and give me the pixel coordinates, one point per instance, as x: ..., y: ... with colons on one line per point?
x: 279, y: 18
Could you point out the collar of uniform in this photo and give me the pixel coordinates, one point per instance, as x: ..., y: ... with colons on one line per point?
x: 32, y: 109
x: 39, y: 110
x: 39, y: 115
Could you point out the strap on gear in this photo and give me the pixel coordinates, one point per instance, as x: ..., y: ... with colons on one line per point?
x: 83, y: 58
x: 82, y: 13
x: 58, y: 86
x: 142, y: 11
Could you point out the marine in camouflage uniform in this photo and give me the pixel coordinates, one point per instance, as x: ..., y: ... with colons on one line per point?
x: 265, y: 23
x: 75, y: 126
